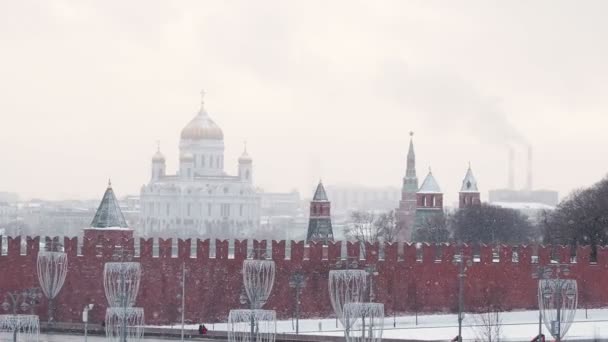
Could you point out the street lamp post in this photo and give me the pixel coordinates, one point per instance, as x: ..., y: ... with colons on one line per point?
x: 183, y: 296
x: 85, y: 319
x: 371, y: 271
x: 297, y: 281
x: 462, y: 269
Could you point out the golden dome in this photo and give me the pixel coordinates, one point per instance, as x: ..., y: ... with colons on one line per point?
x: 202, y: 127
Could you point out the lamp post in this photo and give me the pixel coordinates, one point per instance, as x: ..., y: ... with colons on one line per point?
x: 183, y: 296
x: 372, y: 272
x: 462, y: 269
x: 85, y: 319
x: 297, y: 281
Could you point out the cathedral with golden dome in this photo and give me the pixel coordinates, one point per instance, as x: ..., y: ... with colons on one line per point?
x: 201, y: 198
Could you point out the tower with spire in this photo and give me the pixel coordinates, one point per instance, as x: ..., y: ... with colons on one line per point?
x: 469, y: 193
x: 406, y: 213
x: 319, y: 223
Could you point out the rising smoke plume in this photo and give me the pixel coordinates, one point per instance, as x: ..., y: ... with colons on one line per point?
x: 449, y: 101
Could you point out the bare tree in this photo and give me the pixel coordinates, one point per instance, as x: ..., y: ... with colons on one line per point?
x: 488, y: 326
x: 370, y: 227
x: 489, y: 323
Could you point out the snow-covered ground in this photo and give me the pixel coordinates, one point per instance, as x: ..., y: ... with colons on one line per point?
x: 516, y: 326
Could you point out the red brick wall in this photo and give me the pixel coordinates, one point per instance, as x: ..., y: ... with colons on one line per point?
x: 213, y: 285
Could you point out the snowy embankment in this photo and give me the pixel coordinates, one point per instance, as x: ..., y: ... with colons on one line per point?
x: 516, y: 326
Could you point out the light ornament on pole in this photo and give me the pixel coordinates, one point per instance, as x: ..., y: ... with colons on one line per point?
x: 254, y: 324
x: 52, y: 269
x: 552, y: 271
x: 242, y: 322
x: 121, y: 284
x: 364, y: 322
x: 21, y: 300
x: 124, y: 323
x: 557, y: 299
x: 258, y: 279
x: 346, y: 286
x: 19, y: 328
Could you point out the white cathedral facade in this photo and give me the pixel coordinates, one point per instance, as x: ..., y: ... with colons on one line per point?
x: 201, y: 199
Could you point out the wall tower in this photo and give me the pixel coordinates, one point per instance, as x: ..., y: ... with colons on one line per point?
x: 469, y: 193
x: 319, y: 223
x: 429, y: 201
x: 406, y: 213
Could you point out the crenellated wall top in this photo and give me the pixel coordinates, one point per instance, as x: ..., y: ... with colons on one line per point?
x: 299, y: 252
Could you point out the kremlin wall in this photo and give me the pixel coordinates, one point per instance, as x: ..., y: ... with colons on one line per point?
x: 408, y: 277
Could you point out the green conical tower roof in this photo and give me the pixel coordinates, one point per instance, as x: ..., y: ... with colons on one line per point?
x: 108, y: 213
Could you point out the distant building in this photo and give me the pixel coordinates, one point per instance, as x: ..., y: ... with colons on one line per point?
x: 8, y: 213
x: 547, y: 197
x: 346, y: 198
x: 201, y: 199
x: 529, y: 201
x: 9, y: 197
x: 280, y: 203
x: 319, y: 226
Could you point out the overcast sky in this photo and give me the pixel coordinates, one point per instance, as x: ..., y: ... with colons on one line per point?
x: 319, y: 89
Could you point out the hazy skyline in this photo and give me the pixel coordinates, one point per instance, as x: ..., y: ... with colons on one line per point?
x: 317, y: 89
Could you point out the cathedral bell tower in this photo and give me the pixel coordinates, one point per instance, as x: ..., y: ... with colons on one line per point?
x: 158, y: 165
x: 245, y: 167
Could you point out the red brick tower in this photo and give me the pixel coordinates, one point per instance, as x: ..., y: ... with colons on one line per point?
x: 406, y: 213
x: 319, y: 223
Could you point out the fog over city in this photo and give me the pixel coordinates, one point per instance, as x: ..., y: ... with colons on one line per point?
x: 317, y: 89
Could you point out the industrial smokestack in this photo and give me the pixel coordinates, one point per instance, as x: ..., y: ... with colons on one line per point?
x: 511, y: 170
x: 529, y: 179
